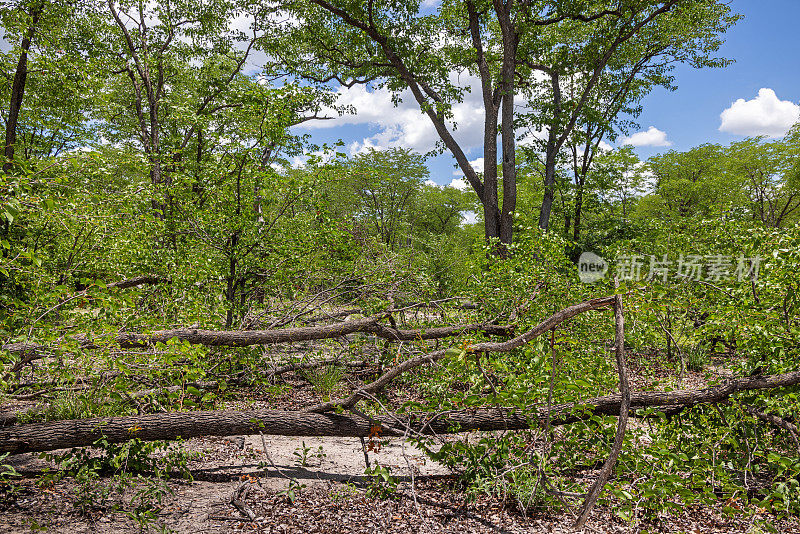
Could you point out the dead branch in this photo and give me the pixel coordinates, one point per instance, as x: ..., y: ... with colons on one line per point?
x: 622, y: 421
x: 301, y: 366
x: 147, y: 279
x: 239, y: 498
x: 506, y: 346
x: 246, y: 338
x: 777, y: 422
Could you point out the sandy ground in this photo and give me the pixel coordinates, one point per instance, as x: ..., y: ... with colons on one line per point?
x: 204, y: 505
x: 331, y: 498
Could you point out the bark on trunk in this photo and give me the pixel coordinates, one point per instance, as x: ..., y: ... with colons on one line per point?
x: 83, y: 432
x: 246, y: 338
x: 549, y: 191
x: 622, y: 422
x: 508, y: 136
x: 578, y: 209
x: 18, y: 89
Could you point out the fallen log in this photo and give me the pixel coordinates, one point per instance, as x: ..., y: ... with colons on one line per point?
x: 777, y: 422
x: 83, y: 432
x: 439, y: 332
x: 246, y: 338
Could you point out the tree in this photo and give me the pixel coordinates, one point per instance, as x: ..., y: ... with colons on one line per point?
x: 594, y: 73
x: 162, y: 51
x: 691, y: 183
x: 507, y: 45
x: 380, y: 188
x: 27, y: 17
x: 620, y: 177
x: 439, y: 209
x: 769, y: 173
x: 50, y: 86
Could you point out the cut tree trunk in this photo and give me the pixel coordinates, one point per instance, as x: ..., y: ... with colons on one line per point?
x: 83, y: 432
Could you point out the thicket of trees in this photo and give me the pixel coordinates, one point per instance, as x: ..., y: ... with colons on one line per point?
x: 159, y: 241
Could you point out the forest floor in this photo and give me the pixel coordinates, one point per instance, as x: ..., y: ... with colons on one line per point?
x: 277, y: 484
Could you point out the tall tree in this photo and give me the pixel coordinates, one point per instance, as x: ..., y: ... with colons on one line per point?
x: 380, y: 189
x: 691, y: 183
x: 29, y: 14
x: 507, y: 45
x: 44, y: 77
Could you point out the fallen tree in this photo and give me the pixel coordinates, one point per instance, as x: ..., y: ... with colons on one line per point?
x: 146, y: 279
x: 246, y: 338
x: 83, y: 432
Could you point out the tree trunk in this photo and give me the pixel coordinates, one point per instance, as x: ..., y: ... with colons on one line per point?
x: 549, y: 190
x: 83, y: 432
x: 491, y: 209
x: 18, y: 89
x: 508, y: 137
x: 576, y: 234
x: 246, y: 338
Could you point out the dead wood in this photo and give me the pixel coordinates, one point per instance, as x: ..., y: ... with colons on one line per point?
x: 147, y: 279
x: 505, y: 346
x: 777, y: 422
x: 245, y: 338
x: 83, y: 432
x: 330, y: 316
x: 622, y: 421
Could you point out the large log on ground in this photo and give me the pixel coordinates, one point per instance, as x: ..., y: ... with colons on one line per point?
x: 246, y: 338
x: 83, y: 432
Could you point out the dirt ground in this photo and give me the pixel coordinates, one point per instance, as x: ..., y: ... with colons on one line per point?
x: 330, y: 496
x: 242, y: 484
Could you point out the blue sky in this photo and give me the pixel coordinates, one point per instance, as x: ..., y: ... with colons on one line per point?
x: 761, y: 91
x: 766, y: 48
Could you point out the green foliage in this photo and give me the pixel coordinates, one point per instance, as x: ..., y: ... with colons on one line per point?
x: 304, y: 453
x: 132, y: 466
x: 195, y: 175
x: 292, y: 491
x: 325, y: 380
x: 382, y: 483
x: 7, y: 476
x: 697, y: 358
x: 74, y: 405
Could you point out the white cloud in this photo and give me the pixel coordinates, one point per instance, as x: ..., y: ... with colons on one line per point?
x: 459, y: 183
x: 763, y: 115
x: 469, y: 217
x: 652, y: 137
x: 477, y: 164
x: 405, y: 125
x: 605, y: 146
x: 431, y: 183
x: 533, y: 138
